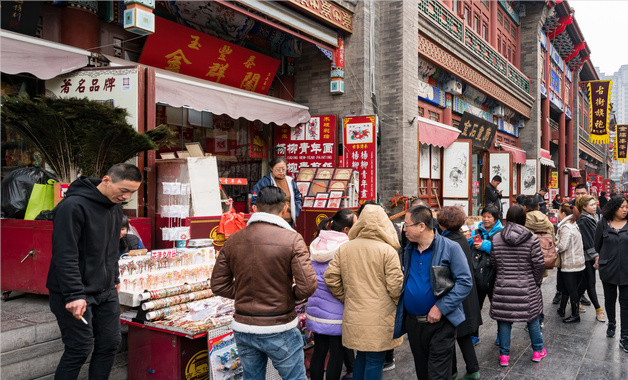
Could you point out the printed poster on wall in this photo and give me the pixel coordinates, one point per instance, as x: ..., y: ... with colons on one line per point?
x: 308, y: 145
x: 500, y: 165
x: 457, y: 170
x: 360, y: 152
x: 424, y: 161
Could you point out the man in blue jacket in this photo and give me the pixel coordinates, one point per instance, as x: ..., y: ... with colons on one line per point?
x: 431, y: 321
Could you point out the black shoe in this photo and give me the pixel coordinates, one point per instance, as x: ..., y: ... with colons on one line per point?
x: 561, y: 312
x: 623, y: 343
x: 585, y: 301
x: 572, y: 319
x: 610, y: 330
x: 556, y: 299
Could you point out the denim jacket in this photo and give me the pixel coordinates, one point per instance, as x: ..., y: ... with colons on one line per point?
x: 445, y: 253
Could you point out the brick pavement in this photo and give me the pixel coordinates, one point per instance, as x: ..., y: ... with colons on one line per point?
x: 574, y: 351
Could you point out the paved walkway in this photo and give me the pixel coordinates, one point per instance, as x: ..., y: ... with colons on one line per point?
x: 574, y: 351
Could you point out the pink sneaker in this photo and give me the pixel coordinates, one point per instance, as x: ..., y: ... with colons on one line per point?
x: 503, y: 360
x: 537, y: 356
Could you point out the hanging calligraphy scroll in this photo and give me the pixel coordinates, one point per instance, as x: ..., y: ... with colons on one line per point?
x: 621, y: 143
x: 599, y: 96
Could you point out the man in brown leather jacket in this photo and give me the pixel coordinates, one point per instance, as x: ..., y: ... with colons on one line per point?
x: 265, y: 268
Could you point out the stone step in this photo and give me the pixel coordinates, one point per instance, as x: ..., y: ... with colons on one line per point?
x: 29, y: 335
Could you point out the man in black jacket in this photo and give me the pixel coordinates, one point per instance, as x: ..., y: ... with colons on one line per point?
x: 83, y: 278
x: 492, y: 196
x: 541, y: 197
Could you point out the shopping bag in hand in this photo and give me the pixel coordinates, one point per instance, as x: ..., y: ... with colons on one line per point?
x: 41, y: 199
x: 231, y: 222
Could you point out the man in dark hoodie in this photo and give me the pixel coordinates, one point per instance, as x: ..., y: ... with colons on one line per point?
x: 83, y: 278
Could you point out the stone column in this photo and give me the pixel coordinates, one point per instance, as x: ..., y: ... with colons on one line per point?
x: 569, y: 149
x: 561, y: 151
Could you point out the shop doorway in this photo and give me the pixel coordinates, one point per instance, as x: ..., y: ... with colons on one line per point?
x: 477, y: 181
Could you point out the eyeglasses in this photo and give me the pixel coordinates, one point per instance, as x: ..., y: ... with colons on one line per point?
x: 405, y: 225
x: 280, y: 170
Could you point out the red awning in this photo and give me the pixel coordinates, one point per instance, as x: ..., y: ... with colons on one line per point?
x: 44, y: 59
x: 435, y: 133
x: 518, y: 155
x: 574, y: 173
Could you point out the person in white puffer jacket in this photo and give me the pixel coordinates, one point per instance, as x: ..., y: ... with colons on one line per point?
x: 571, y: 253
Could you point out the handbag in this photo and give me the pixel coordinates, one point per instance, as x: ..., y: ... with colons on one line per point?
x: 483, y: 271
x: 41, y: 199
x: 442, y: 280
x: 550, y: 255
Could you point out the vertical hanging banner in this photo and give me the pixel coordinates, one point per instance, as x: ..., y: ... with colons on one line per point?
x: 360, y: 152
x: 621, y: 143
x: 599, y: 100
x: 308, y: 145
x: 187, y: 51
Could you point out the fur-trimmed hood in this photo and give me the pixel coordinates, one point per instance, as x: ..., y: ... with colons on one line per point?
x: 269, y: 218
x: 325, y: 246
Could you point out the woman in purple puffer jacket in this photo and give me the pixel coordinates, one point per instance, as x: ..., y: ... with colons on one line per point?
x: 324, y: 311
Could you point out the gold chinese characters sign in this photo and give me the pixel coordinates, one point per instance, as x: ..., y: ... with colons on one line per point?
x: 621, y: 143
x: 187, y: 51
x: 599, y: 101
x: 327, y: 11
x: 481, y: 132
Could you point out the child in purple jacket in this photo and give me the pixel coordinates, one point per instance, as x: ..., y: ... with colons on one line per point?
x: 324, y: 311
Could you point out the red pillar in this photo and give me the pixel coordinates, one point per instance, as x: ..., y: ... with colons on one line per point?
x: 447, y: 119
x: 492, y: 28
x: 80, y: 28
x: 286, y: 87
x: 570, y: 133
x: 545, y: 126
x: 561, y: 152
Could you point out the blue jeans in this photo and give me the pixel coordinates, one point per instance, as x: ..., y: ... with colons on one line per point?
x: 284, y: 349
x: 534, y: 328
x: 369, y: 365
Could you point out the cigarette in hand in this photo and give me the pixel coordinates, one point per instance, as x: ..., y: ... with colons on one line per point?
x: 84, y: 321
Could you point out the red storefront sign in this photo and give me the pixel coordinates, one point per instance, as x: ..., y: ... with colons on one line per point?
x: 607, y: 186
x: 187, y: 51
x: 360, y: 152
x: 308, y: 145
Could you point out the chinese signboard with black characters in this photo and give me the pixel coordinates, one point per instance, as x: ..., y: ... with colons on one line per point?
x: 308, y: 145
x: 621, y: 143
x: 360, y: 152
x: 187, y: 51
x: 21, y: 16
x: 599, y: 104
x: 478, y: 130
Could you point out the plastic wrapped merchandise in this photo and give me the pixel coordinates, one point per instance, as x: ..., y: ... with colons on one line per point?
x: 17, y: 187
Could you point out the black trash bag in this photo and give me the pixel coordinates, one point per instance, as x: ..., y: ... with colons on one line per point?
x: 17, y: 187
x: 46, y: 215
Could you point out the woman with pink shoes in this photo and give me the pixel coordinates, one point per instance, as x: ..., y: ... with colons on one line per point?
x: 518, y: 260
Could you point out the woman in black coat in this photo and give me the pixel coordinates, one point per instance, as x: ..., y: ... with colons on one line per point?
x: 451, y: 219
x: 611, y: 240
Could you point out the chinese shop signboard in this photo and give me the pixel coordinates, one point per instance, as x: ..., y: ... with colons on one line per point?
x: 308, y: 145
x: 599, y: 104
x: 360, y: 152
x: 481, y: 132
x: 187, y: 51
x: 621, y: 143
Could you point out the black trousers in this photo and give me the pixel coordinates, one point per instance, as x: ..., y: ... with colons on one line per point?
x: 432, y: 346
x: 574, y: 286
x: 102, y: 334
x: 482, y: 294
x: 337, y: 354
x: 610, y: 299
x: 468, y: 354
x: 589, y: 277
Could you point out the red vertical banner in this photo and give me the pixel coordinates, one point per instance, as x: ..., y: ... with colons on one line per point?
x: 257, y: 144
x: 308, y: 145
x: 360, y: 152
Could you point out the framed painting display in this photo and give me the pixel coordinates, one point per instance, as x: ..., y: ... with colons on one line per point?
x: 321, y: 200
x: 183, y: 154
x: 306, y: 174
x: 528, y: 177
x: 464, y: 203
x: 424, y: 161
x: 167, y: 156
x: 195, y: 149
x: 343, y: 174
x: 304, y: 187
x: 333, y: 194
x: 457, y: 170
x: 515, y: 179
x: 308, y: 202
x: 435, y: 162
x: 334, y: 202
x: 318, y: 186
x: 324, y: 173
x: 500, y: 165
x: 338, y: 185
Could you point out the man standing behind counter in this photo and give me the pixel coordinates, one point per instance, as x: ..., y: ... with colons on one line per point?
x: 83, y: 278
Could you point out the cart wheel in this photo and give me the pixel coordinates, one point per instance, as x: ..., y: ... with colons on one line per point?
x: 5, y: 295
